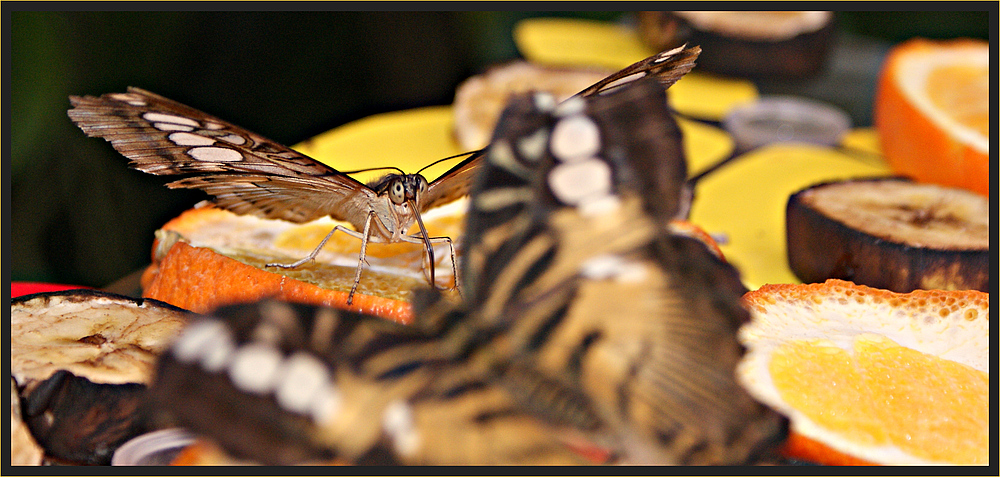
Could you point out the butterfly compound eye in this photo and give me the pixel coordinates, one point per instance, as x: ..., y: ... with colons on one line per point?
x: 397, y: 192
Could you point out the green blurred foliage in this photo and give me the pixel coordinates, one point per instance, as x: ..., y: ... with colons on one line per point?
x: 898, y: 26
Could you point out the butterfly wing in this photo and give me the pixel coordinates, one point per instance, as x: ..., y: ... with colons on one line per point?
x: 247, y: 173
x: 596, y: 295
x: 282, y: 384
x: 666, y: 67
x: 453, y: 184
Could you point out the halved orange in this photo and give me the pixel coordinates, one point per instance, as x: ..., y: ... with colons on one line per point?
x: 932, y: 112
x: 208, y: 257
x: 872, y: 376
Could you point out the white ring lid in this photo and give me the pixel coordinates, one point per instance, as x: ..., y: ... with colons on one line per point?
x: 785, y: 119
x: 154, y: 448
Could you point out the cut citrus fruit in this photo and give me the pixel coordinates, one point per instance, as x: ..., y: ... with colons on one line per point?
x: 871, y: 376
x: 932, y: 112
x: 207, y: 257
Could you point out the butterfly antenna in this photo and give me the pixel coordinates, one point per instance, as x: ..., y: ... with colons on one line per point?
x: 470, y: 153
x: 374, y: 169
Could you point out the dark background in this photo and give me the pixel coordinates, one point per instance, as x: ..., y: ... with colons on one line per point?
x: 78, y: 215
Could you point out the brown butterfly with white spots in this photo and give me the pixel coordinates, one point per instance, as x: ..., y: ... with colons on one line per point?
x: 590, y: 333
x: 250, y: 174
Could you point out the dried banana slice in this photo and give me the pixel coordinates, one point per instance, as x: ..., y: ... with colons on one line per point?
x: 890, y: 233
x: 81, y: 360
x: 480, y: 99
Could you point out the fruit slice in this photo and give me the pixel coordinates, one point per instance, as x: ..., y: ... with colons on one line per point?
x: 745, y: 43
x: 207, y: 257
x: 81, y: 360
x: 890, y: 233
x: 566, y: 42
x: 24, y: 450
x: 868, y: 375
x: 480, y: 99
x: 932, y: 112
x: 754, y: 230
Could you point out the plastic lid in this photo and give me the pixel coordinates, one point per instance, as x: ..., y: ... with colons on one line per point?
x: 154, y: 448
x: 785, y: 119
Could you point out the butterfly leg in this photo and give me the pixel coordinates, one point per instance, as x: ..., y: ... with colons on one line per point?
x: 315, y: 251
x: 364, y: 236
x: 418, y: 239
x: 361, y: 259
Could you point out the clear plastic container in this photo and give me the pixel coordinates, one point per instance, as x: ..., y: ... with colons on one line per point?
x: 155, y: 448
x: 785, y: 119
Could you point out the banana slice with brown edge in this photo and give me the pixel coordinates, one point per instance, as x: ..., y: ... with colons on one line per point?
x: 788, y: 45
x: 81, y: 360
x: 480, y: 99
x: 890, y: 233
x: 23, y: 448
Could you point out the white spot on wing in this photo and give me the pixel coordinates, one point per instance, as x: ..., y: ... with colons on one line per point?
x: 532, y: 147
x: 666, y: 55
x: 134, y: 100
x: 215, y: 154
x: 397, y: 421
x: 601, y: 205
x: 628, y: 79
x: 234, y: 139
x: 576, y: 182
x: 303, y: 377
x: 190, y: 139
x: 574, y: 138
x: 604, y: 267
x: 154, y: 117
x: 326, y: 404
x: 213, y: 125
x: 254, y: 368
x: 195, y: 340
x: 495, y: 199
x: 544, y: 102
x: 501, y: 156
x: 172, y: 127
x: 572, y: 106
x: 217, y: 354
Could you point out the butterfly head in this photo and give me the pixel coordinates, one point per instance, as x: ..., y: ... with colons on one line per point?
x: 401, y: 188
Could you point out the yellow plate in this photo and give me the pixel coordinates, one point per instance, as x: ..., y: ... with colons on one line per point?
x: 408, y: 140
x: 413, y: 138
x: 744, y: 202
x: 563, y: 41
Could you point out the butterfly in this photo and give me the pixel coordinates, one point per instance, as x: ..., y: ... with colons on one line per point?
x: 250, y: 174
x: 593, y: 334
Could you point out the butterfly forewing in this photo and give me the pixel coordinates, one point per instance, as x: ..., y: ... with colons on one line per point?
x: 246, y: 172
x: 667, y: 67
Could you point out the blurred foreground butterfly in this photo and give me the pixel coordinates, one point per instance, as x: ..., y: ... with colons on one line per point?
x: 593, y: 334
x: 250, y: 174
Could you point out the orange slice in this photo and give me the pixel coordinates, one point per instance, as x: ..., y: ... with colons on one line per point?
x: 207, y: 257
x: 932, y: 112
x: 871, y: 376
